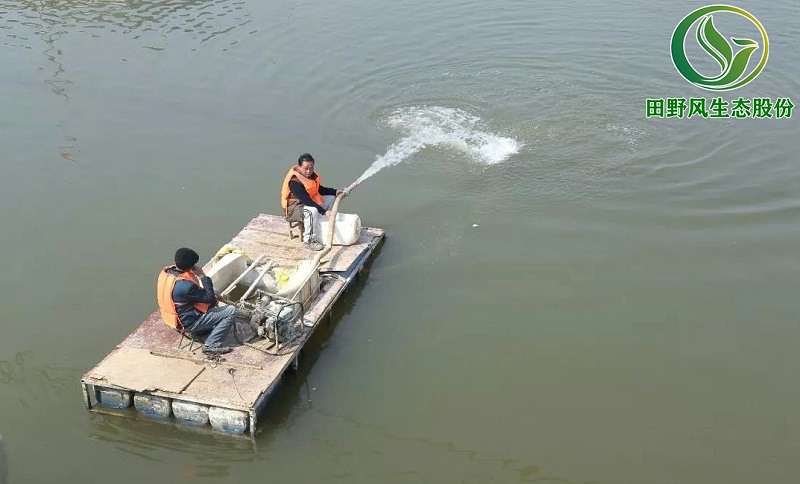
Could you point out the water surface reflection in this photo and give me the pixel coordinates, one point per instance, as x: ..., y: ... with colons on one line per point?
x: 45, y: 26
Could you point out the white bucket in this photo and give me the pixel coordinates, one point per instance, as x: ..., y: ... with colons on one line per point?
x: 346, y: 231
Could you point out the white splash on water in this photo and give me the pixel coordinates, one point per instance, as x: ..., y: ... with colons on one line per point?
x: 439, y: 126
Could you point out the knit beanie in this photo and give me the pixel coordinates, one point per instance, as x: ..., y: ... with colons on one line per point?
x: 185, y: 258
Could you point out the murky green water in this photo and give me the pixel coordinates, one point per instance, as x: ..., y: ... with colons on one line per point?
x: 569, y: 292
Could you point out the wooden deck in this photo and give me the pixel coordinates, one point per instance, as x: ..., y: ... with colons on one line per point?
x: 149, y: 368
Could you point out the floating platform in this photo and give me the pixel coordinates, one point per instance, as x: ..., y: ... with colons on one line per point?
x: 162, y: 376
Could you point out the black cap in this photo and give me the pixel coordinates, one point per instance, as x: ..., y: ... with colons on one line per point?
x: 185, y: 258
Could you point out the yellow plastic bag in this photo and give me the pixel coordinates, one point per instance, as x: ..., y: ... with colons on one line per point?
x: 282, y: 275
x: 229, y: 249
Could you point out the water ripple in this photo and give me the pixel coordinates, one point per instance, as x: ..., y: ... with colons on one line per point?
x: 202, y: 20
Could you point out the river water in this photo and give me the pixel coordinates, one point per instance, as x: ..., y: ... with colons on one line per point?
x: 569, y: 292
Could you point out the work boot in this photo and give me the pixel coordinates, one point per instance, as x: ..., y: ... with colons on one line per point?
x: 216, y: 350
x: 313, y: 245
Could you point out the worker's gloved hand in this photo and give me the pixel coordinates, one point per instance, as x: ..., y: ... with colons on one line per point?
x: 341, y: 191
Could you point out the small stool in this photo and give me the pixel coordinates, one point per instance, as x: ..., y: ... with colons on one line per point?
x: 189, y: 336
x: 296, y: 225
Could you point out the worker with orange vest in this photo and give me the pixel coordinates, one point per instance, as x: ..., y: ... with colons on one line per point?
x: 187, y: 302
x: 303, y: 198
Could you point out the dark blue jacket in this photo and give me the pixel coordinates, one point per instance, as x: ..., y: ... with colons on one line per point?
x: 185, y: 291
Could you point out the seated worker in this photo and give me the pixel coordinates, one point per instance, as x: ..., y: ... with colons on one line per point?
x: 185, y: 304
x: 304, y: 198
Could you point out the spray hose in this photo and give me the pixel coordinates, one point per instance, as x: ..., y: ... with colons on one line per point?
x: 350, y: 188
x: 331, y: 228
x: 332, y: 224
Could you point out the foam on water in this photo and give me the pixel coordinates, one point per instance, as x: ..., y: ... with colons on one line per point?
x: 440, y: 126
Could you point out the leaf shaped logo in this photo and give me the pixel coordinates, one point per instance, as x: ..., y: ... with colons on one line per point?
x: 733, y: 67
x: 714, y: 43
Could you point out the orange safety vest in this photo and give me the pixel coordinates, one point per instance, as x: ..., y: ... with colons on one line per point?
x: 311, y: 186
x: 168, y: 307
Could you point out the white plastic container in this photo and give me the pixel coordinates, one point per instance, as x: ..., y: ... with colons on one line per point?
x: 303, y: 284
x: 346, y: 231
x: 226, y: 270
